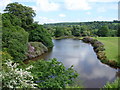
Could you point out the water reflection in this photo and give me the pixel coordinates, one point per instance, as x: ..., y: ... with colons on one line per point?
x: 92, y: 72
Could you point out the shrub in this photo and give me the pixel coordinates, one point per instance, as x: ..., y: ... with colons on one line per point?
x: 52, y: 74
x: 5, y: 56
x: 36, y: 49
x: 17, y: 50
x: 13, y: 77
x: 114, y: 85
x: 15, y: 39
x: 39, y: 34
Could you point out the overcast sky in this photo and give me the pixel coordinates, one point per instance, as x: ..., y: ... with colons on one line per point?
x: 51, y: 11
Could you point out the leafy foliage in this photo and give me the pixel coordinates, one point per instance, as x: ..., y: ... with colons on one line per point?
x: 103, y: 31
x: 35, y: 49
x: 24, y: 13
x: 16, y: 21
x: 52, y: 74
x: 15, y: 39
x: 14, y: 77
x: 40, y: 34
x: 85, y: 29
x: 114, y: 85
x: 59, y: 32
x: 76, y: 31
x: 9, y: 19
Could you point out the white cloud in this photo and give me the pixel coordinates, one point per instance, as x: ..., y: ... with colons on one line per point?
x: 103, y: 0
x: 88, y: 13
x: 24, y: 0
x: 3, y: 4
x: 45, y: 5
x: 101, y: 9
x: 77, y: 5
x: 100, y: 18
x: 34, y: 8
x: 43, y: 20
x: 62, y: 15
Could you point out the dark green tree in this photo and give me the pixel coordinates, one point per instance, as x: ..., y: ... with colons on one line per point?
x: 15, y: 39
x: 118, y: 30
x: 9, y: 20
x: 25, y: 14
x: 103, y: 31
x: 59, y: 32
x: 40, y: 34
x: 76, y: 30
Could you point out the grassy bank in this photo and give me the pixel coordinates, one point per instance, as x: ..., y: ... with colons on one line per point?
x: 111, y: 46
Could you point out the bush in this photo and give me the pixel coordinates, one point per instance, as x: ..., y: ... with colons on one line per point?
x: 114, y: 85
x: 52, y: 74
x: 15, y: 39
x: 13, y: 77
x: 17, y: 50
x: 59, y: 32
x: 35, y: 49
x: 39, y: 34
x: 5, y: 56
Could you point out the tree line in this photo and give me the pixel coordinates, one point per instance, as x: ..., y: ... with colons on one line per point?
x: 93, y: 29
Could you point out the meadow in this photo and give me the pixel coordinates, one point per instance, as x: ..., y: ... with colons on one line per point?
x: 111, y: 47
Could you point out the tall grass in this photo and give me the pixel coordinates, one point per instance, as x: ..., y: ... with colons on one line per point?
x: 114, y: 85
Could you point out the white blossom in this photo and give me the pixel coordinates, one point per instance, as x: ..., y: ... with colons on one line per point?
x: 16, y: 77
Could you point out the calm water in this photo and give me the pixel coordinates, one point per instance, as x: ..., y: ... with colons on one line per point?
x: 93, y: 74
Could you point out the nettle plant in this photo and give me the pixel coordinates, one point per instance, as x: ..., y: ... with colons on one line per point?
x: 13, y: 77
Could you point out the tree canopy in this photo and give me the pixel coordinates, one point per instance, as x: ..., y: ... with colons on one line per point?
x: 103, y: 31
x: 24, y: 13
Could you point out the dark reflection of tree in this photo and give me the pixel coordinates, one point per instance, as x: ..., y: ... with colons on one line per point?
x: 118, y: 73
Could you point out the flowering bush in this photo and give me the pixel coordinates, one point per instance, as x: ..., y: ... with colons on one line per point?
x: 35, y: 49
x: 13, y: 77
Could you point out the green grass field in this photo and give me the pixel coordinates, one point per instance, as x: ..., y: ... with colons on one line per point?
x: 111, y: 46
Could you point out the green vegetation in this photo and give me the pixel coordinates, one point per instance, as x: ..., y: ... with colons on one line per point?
x: 39, y: 34
x: 19, y: 29
x: 23, y: 37
x: 15, y: 41
x: 81, y: 29
x: 39, y: 74
x: 111, y: 47
x: 113, y: 85
x: 23, y: 13
x: 103, y: 31
x: 52, y: 74
x: 59, y: 32
x: 14, y: 77
x: 35, y: 49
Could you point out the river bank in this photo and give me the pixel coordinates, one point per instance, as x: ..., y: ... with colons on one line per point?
x: 82, y: 56
x: 67, y: 37
x: 106, y: 48
x: 35, y: 49
x: 100, y: 50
